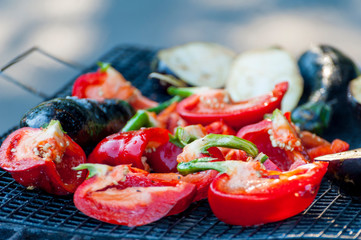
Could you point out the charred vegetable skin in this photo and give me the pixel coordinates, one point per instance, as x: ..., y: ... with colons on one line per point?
x: 344, y: 170
x: 86, y: 121
x: 326, y: 72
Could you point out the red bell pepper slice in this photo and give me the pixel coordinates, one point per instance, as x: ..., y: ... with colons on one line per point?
x: 317, y: 146
x: 214, y: 105
x: 43, y: 158
x: 129, y: 147
x: 246, y: 194
x: 108, y: 83
x: 278, y: 139
x: 128, y: 196
x: 219, y: 127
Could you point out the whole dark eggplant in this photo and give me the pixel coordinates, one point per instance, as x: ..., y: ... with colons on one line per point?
x: 326, y: 72
x: 86, y: 121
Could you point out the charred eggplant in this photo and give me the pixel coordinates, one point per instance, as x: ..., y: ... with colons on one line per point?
x: 86, y: 121
x: 354, y: 96
x: 256, y: 72
x: 326, y: 72
x: 195, y: 63
x: 344, y: 170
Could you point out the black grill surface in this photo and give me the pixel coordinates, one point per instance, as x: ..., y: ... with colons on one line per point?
x: 35, y: 214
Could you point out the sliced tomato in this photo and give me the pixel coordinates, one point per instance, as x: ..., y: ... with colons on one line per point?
x: 108, y: 83
x: 215, y: 105
x: 129, y: 147
x: 249, y: 195
x: 43, y: 158
x: 132, y: 197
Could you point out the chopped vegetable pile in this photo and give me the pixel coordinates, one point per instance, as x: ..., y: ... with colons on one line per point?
x: 131, y: 161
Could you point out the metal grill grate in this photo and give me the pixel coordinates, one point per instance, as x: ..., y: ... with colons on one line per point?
x: 36, y: 214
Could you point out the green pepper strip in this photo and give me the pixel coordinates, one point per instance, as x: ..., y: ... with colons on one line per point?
x: 228, y: 141
x: 186, y: 91
x: 94, y: 169
x: 164, y: 105
x: 139, y: 120
x: 143, y: 119
x: 202, y: 164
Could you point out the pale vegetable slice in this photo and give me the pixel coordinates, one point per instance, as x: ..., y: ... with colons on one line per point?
x: 197, y: 63
x: 256, y: 72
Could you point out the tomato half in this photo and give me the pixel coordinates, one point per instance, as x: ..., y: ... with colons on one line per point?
x: 216, y: 105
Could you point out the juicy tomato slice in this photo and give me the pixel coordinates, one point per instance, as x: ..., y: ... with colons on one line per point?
x: 109, y: 84
x: 247, y: 199
x: 126, y: 196
x: 38, y: 158
x: 129, y: 147
x: 216, y: 105
x: 336, y: 146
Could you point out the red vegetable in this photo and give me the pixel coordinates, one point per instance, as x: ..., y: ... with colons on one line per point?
x: 43, y: 158
x: 219, y: 127
x: 278, y: 139
x: 128, y: 147
x: 249, y: 195
x: 164, y: 158
x: 129, y: 196
x: 107, y: 83
x: 215, y: 105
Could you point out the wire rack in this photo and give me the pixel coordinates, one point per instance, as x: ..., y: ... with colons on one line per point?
x: 35, y: 214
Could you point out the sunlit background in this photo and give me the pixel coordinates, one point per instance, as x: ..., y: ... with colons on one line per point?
x: 82, y: 30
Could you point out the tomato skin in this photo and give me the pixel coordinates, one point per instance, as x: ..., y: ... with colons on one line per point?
x: 127, y: 196
x: 128, y: 147
x: 286, y: 199
x: 239, y: 116
x: 32, y: 171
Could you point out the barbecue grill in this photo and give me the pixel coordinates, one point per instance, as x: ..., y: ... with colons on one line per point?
x: 35, y: 214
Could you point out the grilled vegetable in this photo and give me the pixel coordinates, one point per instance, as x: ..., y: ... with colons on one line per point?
x: 344, y: 170
x: 129, y: 196
x: 43, y: 158
x: 213, y: 105
x: 86, y: 121
x: 246, y: 194
x: 196, y: 63
x: 354, y: 96
x: 327, y: 73
x: 255, y: 73
x: 108, y: 83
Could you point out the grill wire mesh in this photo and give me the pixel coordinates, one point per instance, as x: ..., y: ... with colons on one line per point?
x: 25, y: 214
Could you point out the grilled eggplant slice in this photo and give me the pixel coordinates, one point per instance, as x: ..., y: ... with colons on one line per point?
x: 86, y: 121
x: 196, y: 63
x: 344, y: 170
x: 327, y: 73
x: 256, y: 72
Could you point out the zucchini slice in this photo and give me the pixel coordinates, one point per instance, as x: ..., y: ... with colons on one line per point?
x: 196, y: 63
x: 256, y: 72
